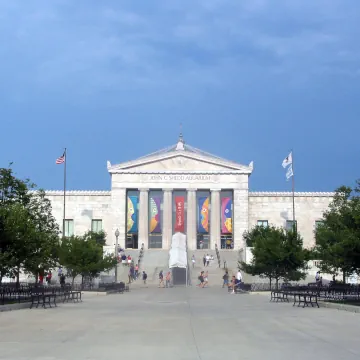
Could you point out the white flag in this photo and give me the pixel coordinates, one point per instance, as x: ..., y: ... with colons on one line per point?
x: 289, y: 172
x: 287, y: 161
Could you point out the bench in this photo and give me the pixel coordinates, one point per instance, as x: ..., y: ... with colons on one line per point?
x: 75, y: 296
x: 279, y: 295
x: 306, y: 299
x: 43, y: 299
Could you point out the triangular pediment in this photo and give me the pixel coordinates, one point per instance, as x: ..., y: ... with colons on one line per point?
x: 179, y: 160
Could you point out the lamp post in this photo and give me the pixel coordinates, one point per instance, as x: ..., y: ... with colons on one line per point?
x: 117, y: 233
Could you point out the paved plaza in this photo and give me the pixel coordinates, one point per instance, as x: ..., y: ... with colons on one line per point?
x: 179, y: 323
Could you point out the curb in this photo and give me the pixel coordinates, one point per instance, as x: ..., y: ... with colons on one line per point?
x: 343, y: 307
x: 11, y: 307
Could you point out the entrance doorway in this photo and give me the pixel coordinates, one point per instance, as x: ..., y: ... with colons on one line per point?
x: 203, y: 241
x: 227, y: 241
x: 132, y: 241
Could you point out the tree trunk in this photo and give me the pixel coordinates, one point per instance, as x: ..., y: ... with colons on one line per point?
x: 277, y: 283
x: 344, y: 276
x: 270, y: 278
x: 73, y: 279
x: 18, y: 276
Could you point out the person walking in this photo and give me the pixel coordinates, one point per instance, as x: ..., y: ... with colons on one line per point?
x: 204, y: 260
x: 161, y: 279
x: 144, y: 277
x: 207, y: 258
x: 206, y: 279
x: 226, y: 279
x: 168, y: 279
x: 239, y: 276
x: 136, y: 271
x: 201, y: 279
x: 193, y: 261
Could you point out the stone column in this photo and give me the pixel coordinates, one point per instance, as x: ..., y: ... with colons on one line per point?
x: 118, y: 208
x: 191, y: 219
x: 215, y: 218
x: 167, y: 219
x: 144, y: 218
x: 241, y: 217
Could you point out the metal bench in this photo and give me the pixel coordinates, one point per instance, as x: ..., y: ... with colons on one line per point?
x: 43, y: 299
x: 305, y: 298
x: 279, y: 295
x: 75, y: 296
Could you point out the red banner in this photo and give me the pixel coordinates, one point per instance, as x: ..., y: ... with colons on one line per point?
x: 179, y: 214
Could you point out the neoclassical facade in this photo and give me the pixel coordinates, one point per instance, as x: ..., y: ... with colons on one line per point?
x: 184, y: 189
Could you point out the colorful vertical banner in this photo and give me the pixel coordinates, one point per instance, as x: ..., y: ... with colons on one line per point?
x: 226, y: 216
x: 155, y: 213
x: 132, y: 221
x: 203, y: 217
x: 179, y: 214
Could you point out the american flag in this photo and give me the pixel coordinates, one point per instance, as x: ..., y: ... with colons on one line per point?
x: 61, y: 159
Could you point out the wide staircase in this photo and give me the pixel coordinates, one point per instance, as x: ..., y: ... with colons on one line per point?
x: 153, y: 261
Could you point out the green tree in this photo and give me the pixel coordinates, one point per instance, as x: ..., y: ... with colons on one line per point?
x: 13, y: 192
x: 277, y: 254
x: 338, y: 234
x: 28, y: 231
x: 82, y: 255
x: 98, y: 236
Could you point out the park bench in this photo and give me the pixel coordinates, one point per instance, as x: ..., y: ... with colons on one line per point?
x: 43, y: 298
x: 305, y: 298
x: 279, y: 295
x: 74, y: 295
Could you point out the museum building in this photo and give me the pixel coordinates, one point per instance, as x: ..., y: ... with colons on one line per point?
x: 184, y: 189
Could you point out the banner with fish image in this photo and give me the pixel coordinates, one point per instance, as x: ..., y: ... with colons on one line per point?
x: 203, y: 217
x: 226, y: 215
x: 132, y: 218
x: 155, y: 213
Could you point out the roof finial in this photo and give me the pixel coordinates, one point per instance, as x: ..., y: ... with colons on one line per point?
x: 181, y: 139
x: 181, y: 142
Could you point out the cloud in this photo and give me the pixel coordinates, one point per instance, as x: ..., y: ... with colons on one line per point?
x: 86, y: 47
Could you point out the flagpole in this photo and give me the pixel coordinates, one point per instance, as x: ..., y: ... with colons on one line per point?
x: 293, y: 189
x: 64, y: 192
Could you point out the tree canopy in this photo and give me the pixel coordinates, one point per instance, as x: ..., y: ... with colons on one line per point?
x: 83, y: 255
x: 28, y: 232
x: 277, y: 254
x: 338, y: 234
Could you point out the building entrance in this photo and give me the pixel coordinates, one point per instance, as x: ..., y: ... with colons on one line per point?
x: 203, y: 241
x: 132, y: 241
x: 227, y: 241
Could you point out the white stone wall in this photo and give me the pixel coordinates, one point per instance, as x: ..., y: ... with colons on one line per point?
x: 277, y: 208
x: 82, y: 207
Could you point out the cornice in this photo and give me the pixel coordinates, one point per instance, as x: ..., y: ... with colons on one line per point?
x: 78, y: 192
x: 184, y: 172
x: 289, y: 193
x: 121, y: 168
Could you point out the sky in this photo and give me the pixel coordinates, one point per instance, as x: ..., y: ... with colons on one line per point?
x: 248, y: 79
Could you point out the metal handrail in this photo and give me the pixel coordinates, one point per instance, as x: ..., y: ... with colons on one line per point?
x: 218, y: 255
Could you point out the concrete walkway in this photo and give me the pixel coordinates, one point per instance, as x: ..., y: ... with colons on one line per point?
x: 179, y: 323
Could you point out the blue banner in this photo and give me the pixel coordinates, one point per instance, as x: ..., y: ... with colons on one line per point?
x: 132, y: 214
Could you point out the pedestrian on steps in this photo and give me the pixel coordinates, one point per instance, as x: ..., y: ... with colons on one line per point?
x: 204, y: 260
x: 193, y: 261
x: 161, y: 279
x: 226, y: 279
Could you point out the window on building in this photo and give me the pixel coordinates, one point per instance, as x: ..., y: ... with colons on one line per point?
x: 69, y: 228
x: 290, y: 224
x: 318, y: 223
x: 263, y: 223
x: 96, y: 225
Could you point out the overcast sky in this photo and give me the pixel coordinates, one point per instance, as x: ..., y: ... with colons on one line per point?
x: 249, y: 80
